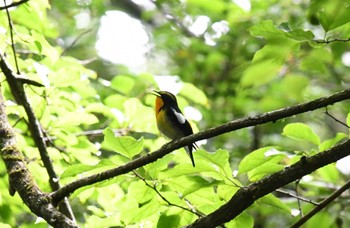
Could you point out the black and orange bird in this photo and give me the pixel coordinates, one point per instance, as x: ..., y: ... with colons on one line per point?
x: 170, y: 120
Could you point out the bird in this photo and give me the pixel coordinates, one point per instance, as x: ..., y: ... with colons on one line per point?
x: 170, y: 120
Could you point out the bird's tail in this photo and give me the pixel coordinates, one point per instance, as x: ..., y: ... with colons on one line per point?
x: 189, y: 150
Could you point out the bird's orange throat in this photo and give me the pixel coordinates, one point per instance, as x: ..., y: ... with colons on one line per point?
x: 159, y: 104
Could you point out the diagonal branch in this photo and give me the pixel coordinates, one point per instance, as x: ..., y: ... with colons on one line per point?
x: 273, y: 116
x: 322, y: 205
x: 20, y: 179
x: 245, y: 197
x: 165, y: 199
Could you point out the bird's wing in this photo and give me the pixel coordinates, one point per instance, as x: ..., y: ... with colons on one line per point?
x: 179, y: 122
x: 180, y: 118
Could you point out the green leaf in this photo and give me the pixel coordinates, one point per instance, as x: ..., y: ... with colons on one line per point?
x: 259, y: 157
x: 168, y: 221
x: 75, y: 119
x: 265, y: 169
x: 76, y: 169
x: 325, y: 145
x: 300, y: 35
x: 334, y: 14
x: 215, y: 7
x: 123, y: 83
x: 124, y: 145
x: 145, y: 211
x: 273, y: 201
x: 115, y: 101
x: 141, y: 192
x: 242, y: 220
x: 219, y: 158
x: 183, y: 169
x: 260, y: 73
x: 293, y: 85
x: 109, y: 221
x: 266, y: 29
x: 139, y: 116
x: 225, y: 191
x: 329, y: 173
x: 196, y: 183
x: 302, y: 132
x: 317, y: 61
x: 44, y: 47
x: 321, y: 220
x: 191, y: 92
x: 214, y: 165
x: 128, y: 208
x: 276, y: 52
x: 261, y: 163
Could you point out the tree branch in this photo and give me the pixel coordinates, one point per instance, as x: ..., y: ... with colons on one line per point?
x: 245, y: 197
x: 297, y: 197
x: 21, y: 180
x: 20, y: 96
x: 331, y: 41
x: 273, y: 116
x: 154, y: 187
x: 11, y: 35
x: 322, y: 205
x: 13, y: 4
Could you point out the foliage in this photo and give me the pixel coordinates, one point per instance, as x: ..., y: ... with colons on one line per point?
x: 249, y: 59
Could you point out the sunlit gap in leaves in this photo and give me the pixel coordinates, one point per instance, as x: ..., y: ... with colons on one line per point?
x: 123, y: 40
x: 244, y: 4
x: 346, y: 59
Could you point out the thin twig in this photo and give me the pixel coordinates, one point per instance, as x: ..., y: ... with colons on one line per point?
x: 176, y: 21
x: 165, y: 199
x: 11, y: 35
x: 297, y: 197
x: 297, y: 193
x: 13, y: 4
x: 96, y: 132
x: 335, y: 119
x: 322, y: 205
x: 76, y: 40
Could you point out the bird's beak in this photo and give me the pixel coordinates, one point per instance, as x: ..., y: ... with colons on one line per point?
x: 156, y: 93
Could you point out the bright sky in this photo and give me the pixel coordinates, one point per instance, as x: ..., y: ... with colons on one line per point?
x: 123, y: 40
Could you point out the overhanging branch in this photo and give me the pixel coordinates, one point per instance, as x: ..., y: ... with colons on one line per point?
x: 273, y: 116
x: 245, y: 197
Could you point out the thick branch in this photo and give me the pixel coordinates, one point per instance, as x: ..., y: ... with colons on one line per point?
x: 212, y: 132
x: 21, y: 180
x: 245, y: 197
x: 17, y: 90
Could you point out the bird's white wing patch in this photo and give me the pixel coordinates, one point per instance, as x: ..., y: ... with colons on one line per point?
x: 179, y: 117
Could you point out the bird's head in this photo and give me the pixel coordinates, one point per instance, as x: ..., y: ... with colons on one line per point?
x: 164, y: 98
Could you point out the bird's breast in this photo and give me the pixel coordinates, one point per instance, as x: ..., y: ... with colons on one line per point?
x: 166, y: 127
